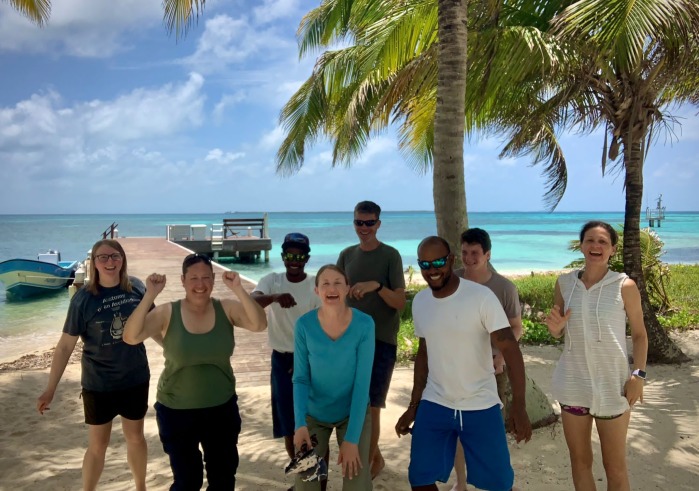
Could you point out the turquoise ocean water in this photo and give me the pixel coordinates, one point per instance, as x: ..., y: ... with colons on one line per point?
x: 522, y: 242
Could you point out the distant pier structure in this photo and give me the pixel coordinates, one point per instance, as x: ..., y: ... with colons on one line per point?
x: 245, y: 239
x: 656, y: 215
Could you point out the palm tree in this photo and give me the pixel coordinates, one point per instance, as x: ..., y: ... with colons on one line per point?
x: 588, y: 63
x: 354, y: 92
x: 38, y: 11
x: 633, y: 60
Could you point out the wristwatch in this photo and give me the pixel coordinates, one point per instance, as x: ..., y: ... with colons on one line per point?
x: 639, y: 373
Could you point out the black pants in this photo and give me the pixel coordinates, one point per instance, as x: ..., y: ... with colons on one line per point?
x: 216, y: 429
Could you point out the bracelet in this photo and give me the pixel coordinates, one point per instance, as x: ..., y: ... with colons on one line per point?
x: 379, y: 288
x: 413, y: 404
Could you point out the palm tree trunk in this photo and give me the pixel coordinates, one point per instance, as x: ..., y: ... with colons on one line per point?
x: 661, y: 349
x: 448, y: 184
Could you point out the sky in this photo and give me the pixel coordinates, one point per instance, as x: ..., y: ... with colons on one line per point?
x: 102, y: 112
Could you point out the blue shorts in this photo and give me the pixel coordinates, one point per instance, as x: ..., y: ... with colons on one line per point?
x: 482, y: 434
x: 282, y: 394
x: 381, y: 373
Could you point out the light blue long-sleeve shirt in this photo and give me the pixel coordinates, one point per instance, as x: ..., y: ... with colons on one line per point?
x: 331, y: 377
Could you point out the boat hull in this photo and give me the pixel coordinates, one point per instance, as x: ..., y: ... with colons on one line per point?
x: 25, y: 278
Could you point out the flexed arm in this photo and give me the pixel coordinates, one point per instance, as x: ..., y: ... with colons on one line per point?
x: 143, y: 324
x: 245, y: 313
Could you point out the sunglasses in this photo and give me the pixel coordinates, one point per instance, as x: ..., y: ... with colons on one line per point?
x: 437, y: 263
x: 294, y: 258
x: 103, y: 258
x: 362, y: 223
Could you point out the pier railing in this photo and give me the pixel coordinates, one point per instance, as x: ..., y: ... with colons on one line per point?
x: 111, y: 231
x: 245, y: 226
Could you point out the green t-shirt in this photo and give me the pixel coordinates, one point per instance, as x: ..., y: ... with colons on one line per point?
x: 198, y: 371
x: 382, y: 264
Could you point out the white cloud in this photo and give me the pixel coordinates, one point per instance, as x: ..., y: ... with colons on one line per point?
x: 272, y: 10
x: 227, y: 41
x: 82, y: 28
x: 271, y: 140
x: 220, y: 157
x: 145, y: 113
x: 227, y: 101
x: 42, y: 138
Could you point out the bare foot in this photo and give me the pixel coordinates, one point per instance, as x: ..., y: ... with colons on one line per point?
x: 377, y: 466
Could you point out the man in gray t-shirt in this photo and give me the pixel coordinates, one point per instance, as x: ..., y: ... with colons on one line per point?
x: 375, y: 271
x: 475, y: 255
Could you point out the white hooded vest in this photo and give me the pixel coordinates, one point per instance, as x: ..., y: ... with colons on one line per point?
x: 594, y: 366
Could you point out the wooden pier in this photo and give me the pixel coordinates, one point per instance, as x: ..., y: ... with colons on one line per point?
x: 241, y: 238
x: 145, y: 255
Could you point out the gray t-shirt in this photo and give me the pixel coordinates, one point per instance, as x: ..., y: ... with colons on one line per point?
x: 108, y: 363
x: 382, y: 264
x: 504, y: 289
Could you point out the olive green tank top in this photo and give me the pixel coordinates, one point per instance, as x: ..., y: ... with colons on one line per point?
x: 198, y: 371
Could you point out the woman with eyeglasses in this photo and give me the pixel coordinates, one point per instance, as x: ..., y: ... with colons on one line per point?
x: 115, y: 375
x: 196, y: 401
x: 333, y: 357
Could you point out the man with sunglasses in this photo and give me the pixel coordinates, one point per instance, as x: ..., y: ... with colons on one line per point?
x: 377, y: 284
x: 454, y: 392
x: 288, y: 295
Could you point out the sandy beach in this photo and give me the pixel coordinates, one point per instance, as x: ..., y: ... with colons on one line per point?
x: 45, y: 452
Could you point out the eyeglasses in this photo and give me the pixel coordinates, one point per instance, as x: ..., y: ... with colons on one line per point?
x: 103, y: 258
x: 437, y: 263
x: 294, y: 258
x: 362, y: 223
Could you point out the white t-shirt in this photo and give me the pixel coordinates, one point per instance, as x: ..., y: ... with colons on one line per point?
x: 457, y: 332
x: 281, y: 322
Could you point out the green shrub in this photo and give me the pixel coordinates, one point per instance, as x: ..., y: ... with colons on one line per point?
x: 679, y: 320
x: 407, y: 342
x: 535, y: 332
x: 536, y: 293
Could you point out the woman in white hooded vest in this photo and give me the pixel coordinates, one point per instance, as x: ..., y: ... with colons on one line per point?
x: 593, y: 380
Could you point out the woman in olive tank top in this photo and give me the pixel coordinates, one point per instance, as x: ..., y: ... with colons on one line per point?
x: 196, y: 401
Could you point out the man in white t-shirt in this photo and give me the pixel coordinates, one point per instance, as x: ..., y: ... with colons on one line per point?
x: 454, y: 392
x: 286, y: 297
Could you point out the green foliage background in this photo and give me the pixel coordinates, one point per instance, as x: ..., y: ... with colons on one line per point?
x: 681, y: 287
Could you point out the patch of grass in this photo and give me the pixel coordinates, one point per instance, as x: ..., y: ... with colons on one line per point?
x: 683, y: 287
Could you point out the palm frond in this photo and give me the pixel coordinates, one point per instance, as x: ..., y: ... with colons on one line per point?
x: 180, y: 15
x: 37, y: 11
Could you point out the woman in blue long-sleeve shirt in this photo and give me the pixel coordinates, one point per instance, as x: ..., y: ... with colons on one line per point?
x: 333, y: 356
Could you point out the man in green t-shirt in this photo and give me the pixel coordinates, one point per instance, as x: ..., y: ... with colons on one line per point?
x: 377, y: 284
